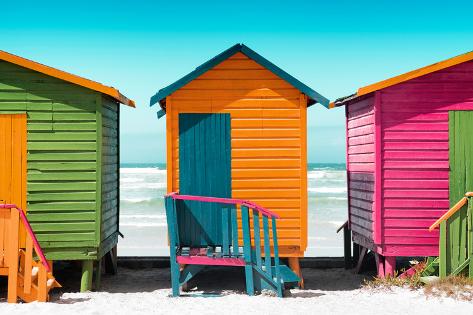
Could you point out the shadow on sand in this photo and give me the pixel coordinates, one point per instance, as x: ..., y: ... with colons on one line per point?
x: 212, y: 282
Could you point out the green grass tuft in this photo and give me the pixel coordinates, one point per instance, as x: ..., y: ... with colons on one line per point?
x: 389, y: 282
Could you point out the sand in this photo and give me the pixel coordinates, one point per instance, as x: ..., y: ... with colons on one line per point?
x: 146, y: 291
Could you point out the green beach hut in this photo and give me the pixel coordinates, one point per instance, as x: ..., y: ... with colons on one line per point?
x: 59, y: 160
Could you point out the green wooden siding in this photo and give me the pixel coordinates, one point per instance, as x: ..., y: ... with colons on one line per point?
x: 62, y: 160
x: 110, y: 175
x: 461, y: 181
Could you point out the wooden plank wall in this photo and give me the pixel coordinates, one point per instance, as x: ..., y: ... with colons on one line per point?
x: 268, y: 141
x: 361, y: 167
x: 415, y: 157
x: 110, y: 174
x: 61, y: 137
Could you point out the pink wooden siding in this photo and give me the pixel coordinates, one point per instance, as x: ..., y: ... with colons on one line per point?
x: 360, y: 133
x: 415, y: 162
x: 360, y: 167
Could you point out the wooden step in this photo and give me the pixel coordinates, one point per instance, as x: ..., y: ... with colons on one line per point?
x: 33, y: 294
x: 50, y: 283
x: 287, y: 275
x: 26, y: 297
x: 34, y: 273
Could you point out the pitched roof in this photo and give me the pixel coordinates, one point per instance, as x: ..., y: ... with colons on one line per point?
x: 313, y: 96
x: 65, y: 76
x: 403, y: 78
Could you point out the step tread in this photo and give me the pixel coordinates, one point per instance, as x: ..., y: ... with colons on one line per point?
x: 287, y: 275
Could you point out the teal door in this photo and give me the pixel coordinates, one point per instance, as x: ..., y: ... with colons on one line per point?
x: 204, y: 170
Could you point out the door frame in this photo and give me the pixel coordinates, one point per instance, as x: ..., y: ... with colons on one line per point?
x: 18, y: 125
x: 460, y: 146
x: 205, y: 139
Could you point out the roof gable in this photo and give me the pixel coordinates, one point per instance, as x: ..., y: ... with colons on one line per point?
x: 313, y: 96
x: 403, y: 78
x: 65, y: 76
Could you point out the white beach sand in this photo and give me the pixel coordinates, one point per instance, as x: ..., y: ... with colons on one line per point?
x: 146, y: 291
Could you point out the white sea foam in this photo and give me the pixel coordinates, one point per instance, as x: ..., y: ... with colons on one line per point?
x: 131, y: 180
x: 336, y: 223
x: 144, y: 170
x: 327, y: 174
x: 135, y: 247
x: 328, y: 190
x: 143, y: 224
x: 316, y: 174
x: 136, y: 200
x: 143, y: 185
x: 143, y: 216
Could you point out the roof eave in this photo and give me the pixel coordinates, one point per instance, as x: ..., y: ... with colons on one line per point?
x: 126, y: 101
x: 348, y: 100
x: 438, y: 66
x: 313, y: 96
x: 165, y: 92
x: 66, y: 76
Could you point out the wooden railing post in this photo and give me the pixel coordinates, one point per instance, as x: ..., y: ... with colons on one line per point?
x: 42, y: 284
x: 267, y: 249
x: 226, y: 231
x: 470, y: 237
x: 170, y: 205
x: 234, y: 219
x: 13, y: 255
x: 245, y: 222
x: 28, y: 266
x: 276, y: 257
x: 443, y: 250
x: 257, y: 238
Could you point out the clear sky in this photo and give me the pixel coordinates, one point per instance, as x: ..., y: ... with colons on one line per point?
x: 141, y: 46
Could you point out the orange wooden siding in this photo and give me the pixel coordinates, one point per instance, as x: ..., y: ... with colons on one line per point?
x: 268, y: 120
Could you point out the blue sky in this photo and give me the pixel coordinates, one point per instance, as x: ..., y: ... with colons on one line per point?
x: 140, y: 46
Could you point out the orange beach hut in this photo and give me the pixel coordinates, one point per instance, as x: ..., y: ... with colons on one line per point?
x: 256, y: 113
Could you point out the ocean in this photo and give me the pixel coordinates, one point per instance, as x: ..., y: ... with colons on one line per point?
x: 143, y: 220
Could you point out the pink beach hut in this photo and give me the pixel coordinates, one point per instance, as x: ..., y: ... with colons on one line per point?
x: 409, y: 158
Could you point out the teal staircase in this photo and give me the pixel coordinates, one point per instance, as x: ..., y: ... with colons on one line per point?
x: 212, y: 231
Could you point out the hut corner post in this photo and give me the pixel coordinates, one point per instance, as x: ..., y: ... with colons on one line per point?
x: 294, y: 262
x: 87, y: 276
x: 169, y: 145
x: 386, y: 265
x: 350, y: 260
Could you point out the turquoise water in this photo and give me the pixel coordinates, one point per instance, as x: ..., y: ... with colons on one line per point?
x: 143, y: 221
